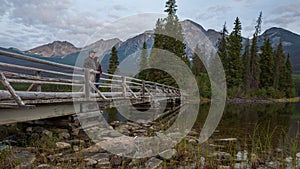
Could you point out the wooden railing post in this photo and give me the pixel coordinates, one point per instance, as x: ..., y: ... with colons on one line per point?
x: 124, y: 86
x: 11, y: 90
x: 87, y: 84
x: 143, y: 88
x: 38, y: 86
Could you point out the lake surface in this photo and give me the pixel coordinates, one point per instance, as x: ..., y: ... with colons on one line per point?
x: 256, y: 128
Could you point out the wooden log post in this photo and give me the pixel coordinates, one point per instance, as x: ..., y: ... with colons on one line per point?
x: 31, y: 87
x: 38, y: 86
x: 87, y: 89
x: 143, y: 88
x: 97, y: 90
x: 11, y: 90
x: 124, y: 86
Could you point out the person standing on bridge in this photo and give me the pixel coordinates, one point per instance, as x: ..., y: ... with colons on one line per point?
x: 99, y: 70
x: 89, y: 64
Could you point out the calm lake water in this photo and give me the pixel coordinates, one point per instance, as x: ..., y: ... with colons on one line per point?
x: 257, y: 128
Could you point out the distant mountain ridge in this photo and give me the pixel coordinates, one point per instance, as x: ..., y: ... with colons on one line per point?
x: 195, y: 34
x: 54, y: 49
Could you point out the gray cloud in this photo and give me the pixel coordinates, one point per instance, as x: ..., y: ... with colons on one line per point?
x: 214, y: 12
x: 285, y: 15
x: 114, y: 16
x: 37, y: 22
x: 119, y: 8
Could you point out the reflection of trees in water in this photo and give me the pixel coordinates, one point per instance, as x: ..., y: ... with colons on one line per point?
x: 266, y: 125
x: 111, y: 115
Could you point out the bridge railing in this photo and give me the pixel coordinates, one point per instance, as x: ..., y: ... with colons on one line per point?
x: 75, y: 78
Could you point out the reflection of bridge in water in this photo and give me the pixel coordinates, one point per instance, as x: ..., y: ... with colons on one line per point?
x: 52, y: 90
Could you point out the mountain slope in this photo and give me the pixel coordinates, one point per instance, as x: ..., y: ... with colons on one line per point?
x: 54, y: 49
x: 290, y: 42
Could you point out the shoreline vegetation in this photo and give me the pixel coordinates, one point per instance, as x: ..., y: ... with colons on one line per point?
x: 246, y: 100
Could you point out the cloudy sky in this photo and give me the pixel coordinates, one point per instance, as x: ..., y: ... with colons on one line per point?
x: 25, y: 24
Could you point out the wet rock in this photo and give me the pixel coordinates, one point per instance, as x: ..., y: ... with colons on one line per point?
x: 116, y: 161
x: 168, y: 154
x: 47, y: 133
x: 54, y: 157
x: 70, y: 158
x: 241, y: 165
x: 242, y: 156
x: 65, y: 135
x: 221, y: 156
x: 3, y: 147
x: 227, y: 139
x: 193, y: 133
x: 99, y: 156
x: 58, y: 130
x: 29, y: 129
x: 193, y: 141
x: 25, y: 158
x: 38, y: 129
x: 278, y: 150
x: 76, y: 148
x: 141, y: 153
x: 189, y: 166
x: 133, y: 124
x: 154, y: 163
x: 63, y: 145
x: 103, y: 163
x: 76, y: 142
x: 146, y: 125
x: 202, y: 161
x: 115, y: 123
x: 94, y: 149
x: 140, y: 131
x: 90, y: 162
x: 46, y: 166
x: 224, y: 167
x: 288, y: 159
x: 75, y: 132
x: 272, y: 164
x: 121, y: 146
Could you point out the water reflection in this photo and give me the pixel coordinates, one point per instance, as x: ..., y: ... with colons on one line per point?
x: 257, y: 128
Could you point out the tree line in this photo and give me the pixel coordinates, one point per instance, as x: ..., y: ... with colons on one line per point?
x: 254, y: 71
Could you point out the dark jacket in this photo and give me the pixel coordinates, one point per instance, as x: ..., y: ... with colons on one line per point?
x: 89, y: 63
x: 99, y: 69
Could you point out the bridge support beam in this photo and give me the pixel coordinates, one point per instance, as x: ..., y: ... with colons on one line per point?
x: 11, y: 90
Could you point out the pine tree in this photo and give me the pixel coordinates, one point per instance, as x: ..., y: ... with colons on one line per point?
x: 197, y: 65
x: 144, y: 58
x: 143, y: 62
x: 222, y: 48
x: 279, y: 71
x: 113, y: 61
x: 266, y: 65
x: 234, y: 74
x: 290, y: 85
x: 254, y: 63
x: 246, y: 70
x: 168, y: 36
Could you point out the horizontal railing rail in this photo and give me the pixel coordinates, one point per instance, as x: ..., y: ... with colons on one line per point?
x: 79, y: 80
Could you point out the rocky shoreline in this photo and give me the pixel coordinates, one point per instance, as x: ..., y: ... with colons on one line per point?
x: 61, y: 143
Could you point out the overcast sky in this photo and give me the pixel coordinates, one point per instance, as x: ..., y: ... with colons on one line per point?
x: 25, y: 24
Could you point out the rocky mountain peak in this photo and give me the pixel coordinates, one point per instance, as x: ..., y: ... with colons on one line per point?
x: 54, y: 49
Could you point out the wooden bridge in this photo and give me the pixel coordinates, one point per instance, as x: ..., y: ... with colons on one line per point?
x: 50, y: 89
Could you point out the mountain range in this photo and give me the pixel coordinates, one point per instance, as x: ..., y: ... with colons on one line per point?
x: 195, y: 34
